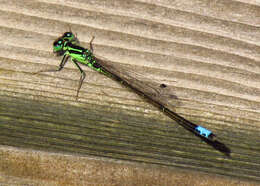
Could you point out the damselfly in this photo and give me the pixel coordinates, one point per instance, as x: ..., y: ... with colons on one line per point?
x: 68, y: 47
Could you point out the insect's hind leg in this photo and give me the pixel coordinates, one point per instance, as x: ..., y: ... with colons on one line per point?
x: 90, y: 44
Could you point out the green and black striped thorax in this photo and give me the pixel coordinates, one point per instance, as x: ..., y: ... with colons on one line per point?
x: 77, y: 53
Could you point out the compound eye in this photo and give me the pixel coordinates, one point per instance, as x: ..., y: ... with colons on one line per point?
x: 67, y: 34
x: 57, y: 43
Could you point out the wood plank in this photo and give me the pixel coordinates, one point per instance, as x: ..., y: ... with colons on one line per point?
x: 206, y: 52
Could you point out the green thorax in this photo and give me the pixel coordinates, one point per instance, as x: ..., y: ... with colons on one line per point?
x: 81, y: 55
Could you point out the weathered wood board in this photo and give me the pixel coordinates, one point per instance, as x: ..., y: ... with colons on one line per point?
x: 206, y: 52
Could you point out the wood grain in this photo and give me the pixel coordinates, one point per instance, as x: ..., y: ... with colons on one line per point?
x: 206, y: 52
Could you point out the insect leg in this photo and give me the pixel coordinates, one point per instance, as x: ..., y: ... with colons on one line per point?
x: 90, y: 44
x: 82, y: 77
x: 62, y: 64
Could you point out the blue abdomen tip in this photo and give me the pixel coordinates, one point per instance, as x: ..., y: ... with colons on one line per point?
x: 203, y: 131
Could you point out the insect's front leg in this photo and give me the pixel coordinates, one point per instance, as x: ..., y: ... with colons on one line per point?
x: 62, y: 64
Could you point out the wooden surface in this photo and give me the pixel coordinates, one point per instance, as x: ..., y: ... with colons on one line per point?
x: 206, y: 52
